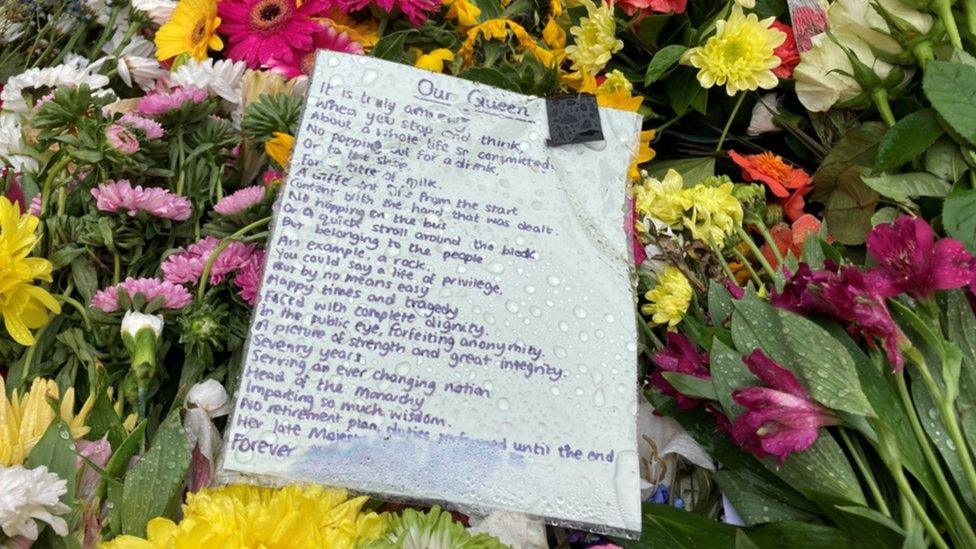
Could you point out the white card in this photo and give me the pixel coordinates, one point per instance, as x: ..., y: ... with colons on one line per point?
x: 447, y: 310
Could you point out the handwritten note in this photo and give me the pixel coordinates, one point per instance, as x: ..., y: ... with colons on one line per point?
x: 447, y: 311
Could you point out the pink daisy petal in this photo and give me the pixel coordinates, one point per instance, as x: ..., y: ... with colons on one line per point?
x: 160, y: 102
x: 249, y: 277
x: 113, y: 196
x: 241, y: 200
x: 174, y: 296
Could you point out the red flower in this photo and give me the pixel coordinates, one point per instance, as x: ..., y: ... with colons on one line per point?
x: 779, y: 419
x: 793, y: 206
x: 631, y: 7
x: 807, y: 23
x: 912, y: 262
x: 771, y: 170
x: 679, y: 355
x: 791, y: 239
x: 786, y: 51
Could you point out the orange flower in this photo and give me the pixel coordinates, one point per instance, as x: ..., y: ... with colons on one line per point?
x: 771, y: 170
x: 789, y: 239
x: 793, y: 206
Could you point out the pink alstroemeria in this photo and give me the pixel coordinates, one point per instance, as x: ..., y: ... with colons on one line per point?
x: 780, y: 418
x: 679, y: 355
x: 910, y: 259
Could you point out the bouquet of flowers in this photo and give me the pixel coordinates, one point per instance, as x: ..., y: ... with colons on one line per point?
x: 803, y: 231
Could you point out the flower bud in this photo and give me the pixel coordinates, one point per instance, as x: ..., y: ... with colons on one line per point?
x: 211, y: 397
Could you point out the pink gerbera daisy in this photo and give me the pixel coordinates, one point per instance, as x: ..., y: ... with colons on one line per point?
x: 161, y: 102
x: 415, y: 10
x: 261, y: 30
x: 326, y: 38
x: 187, y: 266
x: 174, y: 296
x: 241, y: 200
x: 249, y: 277
x: 113, y: 196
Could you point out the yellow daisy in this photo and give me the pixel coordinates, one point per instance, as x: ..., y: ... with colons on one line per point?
x: 191, y: 30
x: 739, y: 55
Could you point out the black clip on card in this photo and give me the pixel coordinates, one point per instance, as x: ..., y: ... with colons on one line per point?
x: 573, y: 119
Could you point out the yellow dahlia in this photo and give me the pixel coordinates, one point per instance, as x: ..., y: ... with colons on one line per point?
x: 279, y: 148
x: 662, y: 200
x: 25, y: 418
x: 191, y: 30
x: 669, y: 298
x: 595, y: 39
x: 23, y: 306
x: 255, y: 516
x: 739, y: 55
x: 714, y: 212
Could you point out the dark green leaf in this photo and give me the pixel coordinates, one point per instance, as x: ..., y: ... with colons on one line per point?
x: 728, y: 374
x: 907, y: 140
x: 961, y: 330
x: 153, y: 487
x: 959, y: 217
x: 56, y: 451
x: 904, y: 185
x: 663, y: 60
x: 490, y: 76
x: 757, y: 501
x: 390, y: 47
x: 719, y: 302
x: 666, y: 526
x: 692, y: 170
x: 691, y: 385
x: 850, y: 206
x: 943, y: 159
x: 951, y: 88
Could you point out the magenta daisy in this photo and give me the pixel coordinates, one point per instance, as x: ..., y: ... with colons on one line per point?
x: 122, y: 139
x: 174, y: 296
x: 241, y: 200
x: 113, y: 196
x: 249, y: 278
x: 187, y: 266
x: 415, y: 10
x: 160, y: 102
x: 152, y: 129
x: 326, y: 38
x: 261, y: 30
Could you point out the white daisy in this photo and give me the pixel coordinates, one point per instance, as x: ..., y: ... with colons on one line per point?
x: 159, y: 11
x: 223, y: 78
x: 73, y: 72
x: 29, y: 495
x: 136, y: 61
x: 11, y: 142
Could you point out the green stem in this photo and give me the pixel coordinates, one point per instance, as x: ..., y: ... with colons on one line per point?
x: 906, y: 490
x: 858, y: 454
x: 769, y: 240
x: 880, y: 99
x: 78, y: 306
x: 744, y: 235
x: 49, y: 181
x: 116, y: 268
x: 728, y: 123
x: 106, y: 32
x: 182, y: 171
x: 923, y: 441
x: 205, y: 276
x: 943, y: 8
x: 745, y: 262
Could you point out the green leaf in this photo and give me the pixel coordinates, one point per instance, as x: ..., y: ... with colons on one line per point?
x: 56, y: 451
x: 728, y: 374
x: 821, y: 473
x: 390, y: 47
x: 951, y: 88
x: 692, y: 170
x: 904, y: 185
x: 959, y: 217
x: 804, y: 348
x: 907, y: 140
x: 758, y: 501
x: 103, y: 420
x: 691, y: 385
x: 153, y: 487
x: 850, y: 206
x: 666, y: 526
x: 719, y: 302
x: 943, y: 159
x: 684, y: 90
x: 663, y: 60
x: 799, y: 534
x: 857, y: 148
x: 490, y: 76
x: 867, y: 524
x: 961, y: 331
x: 884, y: 215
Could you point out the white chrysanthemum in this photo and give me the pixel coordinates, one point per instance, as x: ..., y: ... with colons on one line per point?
x: 159, y: 11
x: 73, y: 72
x: 102, y: 12
x: 12, y: 142
x: 30, y: 495
x: 136, y: 62
x: 223, y: 78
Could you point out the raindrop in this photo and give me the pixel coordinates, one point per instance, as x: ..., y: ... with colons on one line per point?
x: 503, y: 404
x: 579, y: 312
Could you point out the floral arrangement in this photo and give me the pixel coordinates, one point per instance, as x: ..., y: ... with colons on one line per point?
x: 803, y: 235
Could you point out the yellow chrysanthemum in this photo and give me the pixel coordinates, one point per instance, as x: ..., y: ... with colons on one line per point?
x: 739, y: 55
x: 715, y: 213
x: 463, y: 11
x: 669, y: 298
x: 23, y: 306
x: 434, y: 61
x: 24, y: 419
x: 191, y: 30
x: 613, y: 96
x: 595, y: 39
x: 644, y: 153
x: 661, y: 199
x: 253, y: 516
x: 279, y: 148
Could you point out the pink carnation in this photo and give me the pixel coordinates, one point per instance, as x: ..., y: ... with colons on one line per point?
x: 174, y: 296
x: 241, y: 200
x: 113, y: 196
x: 249, y: 277
x: 152, y: 129
x: 187, y: 266
x: 326, y: 38
x: 122, y: 139
x: 163, y: 102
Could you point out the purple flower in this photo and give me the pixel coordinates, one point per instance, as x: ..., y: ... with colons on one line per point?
x: 155, y: 103
x: 241, y: 200
x: 113, y: 196
x: 679, y: 355
x: 850, y: 296
x: 122, y: 139
x: 152, y: 129
x: 912, y: 262
x: 780, y: 418
x: 174, y: 296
